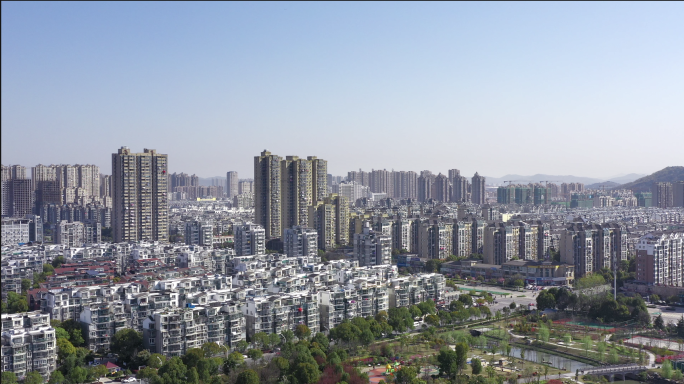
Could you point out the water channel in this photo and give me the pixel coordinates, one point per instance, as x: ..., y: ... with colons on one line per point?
x: 556, y: 361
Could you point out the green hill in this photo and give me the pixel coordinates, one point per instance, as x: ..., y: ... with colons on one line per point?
x: 669, y: 174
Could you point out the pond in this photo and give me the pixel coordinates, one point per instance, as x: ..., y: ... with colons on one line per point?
x: 556, y: 361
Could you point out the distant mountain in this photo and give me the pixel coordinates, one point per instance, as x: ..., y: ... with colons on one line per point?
x: 626, y: 178
x: 541, y: 177
x: 605, y: 184
x: 669, y: 174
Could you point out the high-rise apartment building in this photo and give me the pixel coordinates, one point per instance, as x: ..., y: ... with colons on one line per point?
x: 21, y: 197
x: 478, y: 189
x: 250, y: 239
x: 232, y: 184
x: 319, y: 178
x: 360, y: 177
x: 17, y: 192
x: 297, y: 191
x: 199, y: 232
x: 371, y: 248
x: 329, y: 218
x: 425, y: 182
x: 662, y: 195
x: 442, y: 188
x: 660, y: 258
x: 28, y: 344
x: 459, y: 186
x: 591, y: 247
x: 405, y: 184
x: 300, y: 241
x: 678, y: 194
x: 245, y: 186
x: 139, y: 189
x: 105, y: 185
x: 267, y: 194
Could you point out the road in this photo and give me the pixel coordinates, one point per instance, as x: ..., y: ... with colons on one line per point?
x: 668, y: 316
x: 528, y: 296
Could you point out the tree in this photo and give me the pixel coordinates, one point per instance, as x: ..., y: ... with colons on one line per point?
x: 466, y: 299
x: 55, y: 378
x: 58, y: 261
x: 321, y: 339
x: 255, y: 354
x: 241, y: 345
x: 447, y: 362
x: 147, y: 373
x: 302, y: 332
x: 601, y: 349
x: 667, y: 369
x: 522, y: 356
x: 16, y: 303
x: 366, y: 337
x: 274, y: 339
x: 232, y: 362
x: 613, y: 358
x: 461, y: 355
x: 173, y: 371
x: 307, y: 373
x: 658, y: 323
x: 415, y: 312
x: 427, y: 307
x: 476, y: 366
x: 211, y: 349
x: 432, y: 320
x: 49, y: 269
x: 9, y: 378
x: 192, y: 357
x: 512, y: 306
x: 126, y: 344
x: 192, y: 377
x: 680, y: 326
x: 406, y: 375
x: 543, y: 333
x: 78, y: 375
x: 288, y: 335
x: 545, y: 300
x: 61, y: 333
x: 433, y: 265
x: 98, y: 371
x: 247, y: 376
x: 156, y: 360
x: 400, y: 319
x: 587, y: 343
x: 261, y: 338
x: 65, y: 349
x: 25, y: 285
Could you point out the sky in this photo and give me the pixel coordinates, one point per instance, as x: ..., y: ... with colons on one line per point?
x: 575, y: 88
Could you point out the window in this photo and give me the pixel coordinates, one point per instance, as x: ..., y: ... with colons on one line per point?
x: 151, y: 341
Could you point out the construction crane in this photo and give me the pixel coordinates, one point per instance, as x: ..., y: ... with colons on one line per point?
x: 546, y: 182
x: 513, y: 181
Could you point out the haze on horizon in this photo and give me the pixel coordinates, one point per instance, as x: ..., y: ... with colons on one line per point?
x: 583, y: 89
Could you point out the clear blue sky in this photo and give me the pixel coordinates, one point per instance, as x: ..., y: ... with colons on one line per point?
x: 589, y: 89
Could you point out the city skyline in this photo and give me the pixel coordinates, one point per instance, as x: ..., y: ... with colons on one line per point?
x: 579, y: 84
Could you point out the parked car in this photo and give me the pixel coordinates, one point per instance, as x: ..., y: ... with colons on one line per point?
x: 670, y: 309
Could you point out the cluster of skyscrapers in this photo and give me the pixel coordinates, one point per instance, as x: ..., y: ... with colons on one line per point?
x: 423, y: 187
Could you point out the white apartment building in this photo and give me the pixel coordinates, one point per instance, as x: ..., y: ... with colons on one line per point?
x: 28, y: 344
x: 660, y: 258
x: 371, y: 248
x: 301, y: 241
x: 250, y: 239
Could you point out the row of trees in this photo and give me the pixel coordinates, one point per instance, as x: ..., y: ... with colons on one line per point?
x: 600, y: 306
